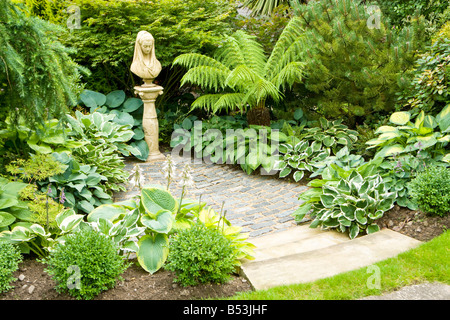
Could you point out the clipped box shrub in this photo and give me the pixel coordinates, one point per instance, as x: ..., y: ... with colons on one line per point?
x: 200, y: 255
x: 431, y: 190
x: 85, y: 265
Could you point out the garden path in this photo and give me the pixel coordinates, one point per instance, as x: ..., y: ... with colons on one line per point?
x: 261, y: 204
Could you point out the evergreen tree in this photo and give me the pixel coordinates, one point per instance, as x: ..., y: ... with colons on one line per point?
x: 37, y: 77
x: 354, y: 58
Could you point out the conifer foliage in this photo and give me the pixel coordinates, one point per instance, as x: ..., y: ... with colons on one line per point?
x: 355, y: 58
x: 37, y: 78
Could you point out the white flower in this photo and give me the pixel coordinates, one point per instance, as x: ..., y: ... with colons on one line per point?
x: 186, y: 179
x: 136, y: 177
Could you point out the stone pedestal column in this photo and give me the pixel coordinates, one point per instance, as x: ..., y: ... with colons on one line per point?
x: 148, y: 94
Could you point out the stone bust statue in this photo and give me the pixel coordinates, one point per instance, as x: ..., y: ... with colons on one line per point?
x: 145, y: 65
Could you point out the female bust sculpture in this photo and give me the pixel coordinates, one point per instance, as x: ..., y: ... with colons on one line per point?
x: 145, y: 65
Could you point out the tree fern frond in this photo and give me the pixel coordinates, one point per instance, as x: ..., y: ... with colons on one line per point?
x: 241, y: 76
x: 260, y: 90
x: 252, y: 51
x: 191, y: 60
x: 206, y: 101
x: 230, y: 54
x: 290, y: 35
x: 291, y: 73
x: 230, y: 102
x: 206, y: 77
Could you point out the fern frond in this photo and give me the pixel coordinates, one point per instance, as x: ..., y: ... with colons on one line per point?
x: 291, y: 34
x: 191, y: 60
x: 219, y: 101
x: 252, y: 51
x: 259, y: 91
x: 231, y: 54
x: 242, y: 76
x: 206, y: 77
x: 291, y: 73
x: 230, y: 102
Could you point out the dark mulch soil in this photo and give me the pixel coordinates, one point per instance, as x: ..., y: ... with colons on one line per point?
x: 140, y: 285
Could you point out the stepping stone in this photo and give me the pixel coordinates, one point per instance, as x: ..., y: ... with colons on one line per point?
x: 302, y: 254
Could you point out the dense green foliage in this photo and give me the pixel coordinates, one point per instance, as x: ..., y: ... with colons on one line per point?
x: 38, y: 79
x: 108, y: 30
x: 199, y: 255
x: 10, y: 258
x: 85, y: 265
x: 431, y: 190
x: 354, y: 62
x: 399, y: 12
x: 429, y: 88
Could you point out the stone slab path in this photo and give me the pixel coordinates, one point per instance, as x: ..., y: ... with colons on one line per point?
x: 263, y: 206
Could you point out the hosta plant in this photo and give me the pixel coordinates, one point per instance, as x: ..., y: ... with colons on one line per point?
x: 352, y: 205
x: 312, y: 149
x: 37, y: 238
x: 347, y: 200
x: 128, y: 112
x: 408, y: 135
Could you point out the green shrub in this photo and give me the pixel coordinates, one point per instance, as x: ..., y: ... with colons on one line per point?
x: 108, y: 32
x: 200, y: 255
x: 91, y: 256
x: 10, y: 258
x: 352, y: 70
x: 431, y: 190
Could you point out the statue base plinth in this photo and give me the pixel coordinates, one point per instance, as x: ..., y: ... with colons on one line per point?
x: 148, y: 94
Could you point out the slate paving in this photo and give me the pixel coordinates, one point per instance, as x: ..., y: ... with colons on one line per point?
x: 261, y: 204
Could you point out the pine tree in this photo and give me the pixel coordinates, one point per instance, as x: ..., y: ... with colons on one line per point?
x: 354, y: 59
x: 37, y: 77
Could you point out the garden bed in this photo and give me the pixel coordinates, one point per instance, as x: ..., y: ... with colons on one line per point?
x: 140, y: 285
x: 137, y: 285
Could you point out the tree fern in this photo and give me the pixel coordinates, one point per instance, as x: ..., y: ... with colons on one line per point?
x: 241, y: 74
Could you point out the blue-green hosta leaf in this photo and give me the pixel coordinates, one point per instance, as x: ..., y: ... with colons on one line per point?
x: 153, y: 251
x: 162, y: 223
x: 6, y: 219
x: 132, y: 104
x: 92, y: 99
x: 115, y: 99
